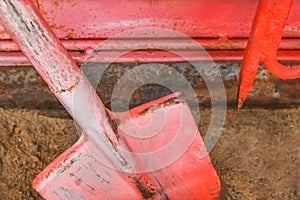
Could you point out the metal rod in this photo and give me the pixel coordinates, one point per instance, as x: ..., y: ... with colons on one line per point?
x: 264, y: 40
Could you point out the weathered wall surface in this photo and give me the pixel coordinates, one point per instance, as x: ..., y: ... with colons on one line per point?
x: 22, y: 87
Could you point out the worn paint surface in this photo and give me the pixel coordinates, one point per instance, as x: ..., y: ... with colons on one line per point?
x: 81, y: 176
x: 19, y: 59
x: 43, y: 50
x: 159, y: 43
x: 216, y: 25
x: 232, y: 18
x: 264, y: 40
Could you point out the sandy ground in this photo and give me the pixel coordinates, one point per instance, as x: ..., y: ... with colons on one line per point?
x: 257, y: 155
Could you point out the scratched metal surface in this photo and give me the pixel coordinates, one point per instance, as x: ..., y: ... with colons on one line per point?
x: 104, y: 18
x: 83, y: 176
x: 219, y: 25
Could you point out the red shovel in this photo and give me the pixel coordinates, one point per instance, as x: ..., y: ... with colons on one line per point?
x: 108, y: 161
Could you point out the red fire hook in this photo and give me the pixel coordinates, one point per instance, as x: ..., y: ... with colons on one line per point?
x: 264, y: 40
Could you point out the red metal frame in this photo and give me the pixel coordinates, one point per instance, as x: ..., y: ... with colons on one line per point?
x: 231, y: 50
x: 221, y: 27
x: 100, y: 19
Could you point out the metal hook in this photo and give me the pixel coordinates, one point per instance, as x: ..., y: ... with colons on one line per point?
x: 264, y: 40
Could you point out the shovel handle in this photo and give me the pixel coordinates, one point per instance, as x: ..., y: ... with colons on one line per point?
x: 22, y: 20
x: 26, y: 26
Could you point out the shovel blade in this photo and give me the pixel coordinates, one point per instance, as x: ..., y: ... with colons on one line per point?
x: 171, y: 163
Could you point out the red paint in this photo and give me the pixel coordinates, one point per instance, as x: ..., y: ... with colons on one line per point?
x: 159, y: 43
x: 78, y: 19
x: 216, y: 25
x: 78, y: 182
x: 264, y: 40
x: 191, y: 175
x: 19, y: 59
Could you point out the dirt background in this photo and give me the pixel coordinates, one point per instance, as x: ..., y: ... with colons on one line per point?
x: 257, y: 155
